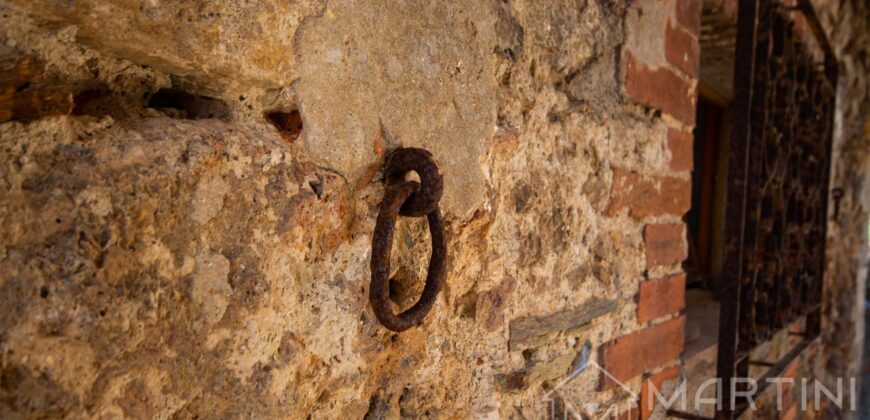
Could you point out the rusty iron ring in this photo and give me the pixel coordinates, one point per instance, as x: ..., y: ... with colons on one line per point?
x: 407, y: 159
x: 395, y: 196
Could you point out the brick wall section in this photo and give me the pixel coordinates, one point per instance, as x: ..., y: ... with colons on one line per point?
x: 682, y: 50
x: 680, y: 145
x: 653, y: 384
x: 649, y: 196
x: 664, y: 244
x: 665, y: 80
x: 660, y: 297
x: 660, y: 88
x: 631, y: 355
x: 688, y: 14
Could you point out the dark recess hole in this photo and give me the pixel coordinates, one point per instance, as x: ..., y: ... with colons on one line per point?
x: 43, y: 292
x: 189, y: 106
x: 317, y: 187
x: 91, y: 102
x: 289, y: 124
x: 528, y: 354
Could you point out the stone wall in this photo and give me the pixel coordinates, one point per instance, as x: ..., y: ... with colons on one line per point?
x: 848, y: 27
x: 186, y: 225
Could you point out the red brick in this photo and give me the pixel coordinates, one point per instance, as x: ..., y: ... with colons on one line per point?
x: 661, y: 89
x: 660, y: 297
x: 680, y: 144
x: 689, y: 15
x: 790, y: 372
x: 664, y: 244
x: 648, y: 400
x: 682, y: 50
x: 630, y: 355
x: 645, y: 197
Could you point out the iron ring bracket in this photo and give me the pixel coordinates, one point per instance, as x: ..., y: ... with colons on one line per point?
x: 407, y: 198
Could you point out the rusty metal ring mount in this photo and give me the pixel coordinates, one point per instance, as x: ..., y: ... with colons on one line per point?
x: 396, y: 195
x: 407, y: 159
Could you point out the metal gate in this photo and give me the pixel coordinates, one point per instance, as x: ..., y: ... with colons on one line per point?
x: 778, y: 175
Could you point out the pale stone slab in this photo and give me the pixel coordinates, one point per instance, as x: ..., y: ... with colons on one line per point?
x: 530, y: 330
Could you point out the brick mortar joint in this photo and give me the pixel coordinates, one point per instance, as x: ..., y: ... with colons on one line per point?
x: 692, y: 81
x: 676, y: 24
x: 651, y: 173
x: 665, y: 219
x: 676, y: 124
x: 675, y: 363
x: 648, y: 278
x: 660, y: 320
x: 664, y: 270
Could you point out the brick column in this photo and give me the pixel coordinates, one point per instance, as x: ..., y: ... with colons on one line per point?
x: 660, y: 71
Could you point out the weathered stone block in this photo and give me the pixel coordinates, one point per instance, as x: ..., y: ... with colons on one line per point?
x: 537, y: 373
x: 645, y: 30
x: 218, y: 46
x: 416, y: 73
x: 531, y: 330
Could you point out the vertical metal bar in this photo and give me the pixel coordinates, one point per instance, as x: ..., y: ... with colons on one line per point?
x: 735, y: 211
x: 752, y: 324
x: 780, y: 183
x: 831, y: 72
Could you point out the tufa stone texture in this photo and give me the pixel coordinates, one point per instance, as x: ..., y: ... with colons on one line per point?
x: 192, y: 239
x: 216, y: 46
x: 372, y: 80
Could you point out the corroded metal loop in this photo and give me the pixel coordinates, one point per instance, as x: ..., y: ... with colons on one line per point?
x: 407, y: 159
x: 395, y: 195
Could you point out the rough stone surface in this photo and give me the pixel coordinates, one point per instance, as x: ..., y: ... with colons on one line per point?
x: 529, y: 330
x: 182, y: 257
x: 166, y: 252
x: 371, y: 79
x: 216, y: 46
x: 847, y: 23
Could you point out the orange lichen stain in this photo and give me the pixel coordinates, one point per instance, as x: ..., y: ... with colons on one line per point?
x: 379, y: 146
x: 366, y: 179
